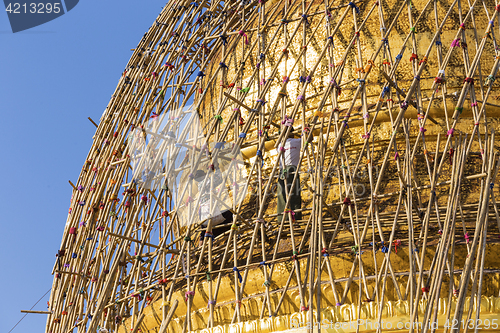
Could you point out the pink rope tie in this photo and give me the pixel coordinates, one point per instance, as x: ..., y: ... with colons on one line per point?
x: 188, y: 294
x: 455, y: 43
x: 242, y: 33
x: 287, y: 121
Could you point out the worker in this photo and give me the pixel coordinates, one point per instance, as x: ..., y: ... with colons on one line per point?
x: 209, y: 207
x: 291, y: 156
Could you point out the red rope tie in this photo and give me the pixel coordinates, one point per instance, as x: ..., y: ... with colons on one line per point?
x: 469, y: 80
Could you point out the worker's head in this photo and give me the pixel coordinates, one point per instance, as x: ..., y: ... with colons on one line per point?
x: 290, y: 133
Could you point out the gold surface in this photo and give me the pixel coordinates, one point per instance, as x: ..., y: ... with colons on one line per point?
x: 394, y: 309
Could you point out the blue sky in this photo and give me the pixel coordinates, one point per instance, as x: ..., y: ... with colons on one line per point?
x: 52, y: 77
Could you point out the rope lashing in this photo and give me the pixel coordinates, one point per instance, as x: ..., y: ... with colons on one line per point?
x: 360, y: 81
x: 413, y: 56
x: 242, y: 33
x: 245, y: 90
x: 386, y: 90
x: 223, y: 65
x: 455, y: 43
x: 425, y: 289
x: 188, y: 294
x: 259, y: 155
x: 294, y: 255
x: 353, y: 6
x: 355, y: 249
x: 304, y: 308
x: 209, y: 234
x: 287, y: 121
x: 211, y: 303
x: 209, y: 277
x: 399, y: 57
x: 240, y: 278
x: 396, y: 156
x: 347, y: 201
x: 220, y: 145
x: 267, y: 283
x: 291, y: 212
x: 397, y: 243
x: 404, y: 105
x: 450, y: 132
x: 469, y: 80
x: 412, y: 29
x: 366, y: 136
x: 304, y: 18
x: 263, y: 102
x: 324, y: 252
x: 219, y: 118
x: 162, y: 282
x: 439, y: 80
x: 242, y: 135
x: 466, y: 237
x: 369, y: 66
x: 490, y: 79
x: 200, y: 74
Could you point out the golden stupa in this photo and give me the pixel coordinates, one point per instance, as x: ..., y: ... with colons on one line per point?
x: 398, y: 227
